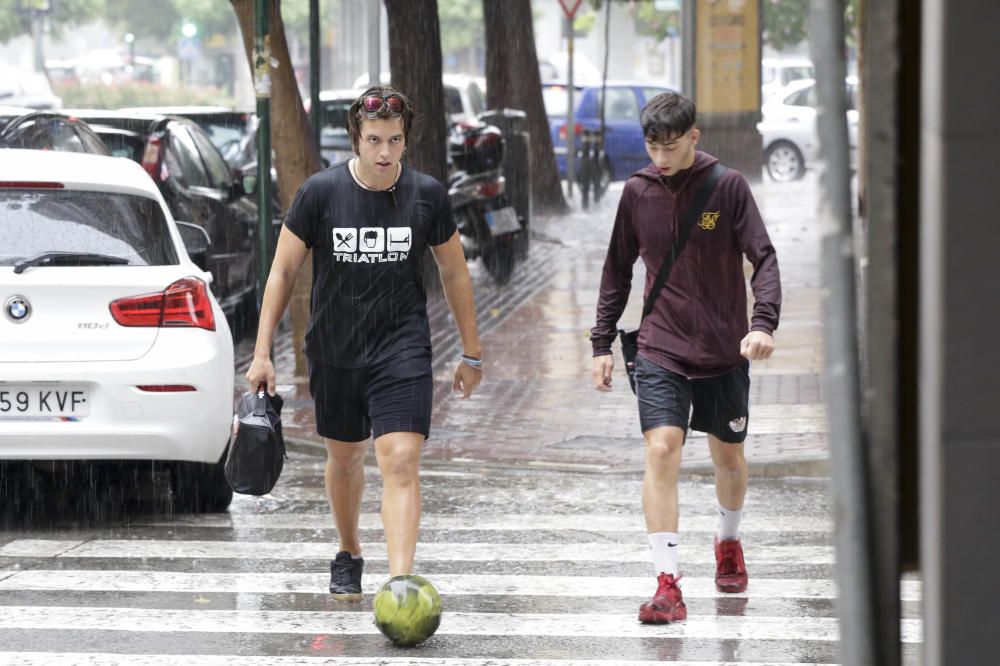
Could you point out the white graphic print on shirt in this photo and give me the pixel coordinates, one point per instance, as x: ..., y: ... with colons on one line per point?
x: 370, y: 245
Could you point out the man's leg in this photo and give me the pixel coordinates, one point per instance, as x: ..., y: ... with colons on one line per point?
x: 345, y: 484
x: 659, y: 482
x: 730, y: 473
x: 721, y: 409
x: 398, y: 456
x: 664, y: 404
x: 659, y: 501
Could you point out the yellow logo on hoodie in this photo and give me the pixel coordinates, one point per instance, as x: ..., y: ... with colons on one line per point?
x: 708, y: 220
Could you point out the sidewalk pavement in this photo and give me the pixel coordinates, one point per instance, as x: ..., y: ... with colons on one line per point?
x: 536, y: 406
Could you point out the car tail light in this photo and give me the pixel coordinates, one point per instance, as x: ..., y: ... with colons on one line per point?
x: 30, y: 185
x: 184, y: 303
x: 151, y: 156
x: 577, y: 130
x: 166, y: 388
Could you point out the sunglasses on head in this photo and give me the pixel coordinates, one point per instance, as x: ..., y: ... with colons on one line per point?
x: 378, y: 103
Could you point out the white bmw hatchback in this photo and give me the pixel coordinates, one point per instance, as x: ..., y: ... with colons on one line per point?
x: 112, y: 347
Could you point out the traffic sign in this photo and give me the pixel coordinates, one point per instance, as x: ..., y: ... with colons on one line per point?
x: 570, y: 12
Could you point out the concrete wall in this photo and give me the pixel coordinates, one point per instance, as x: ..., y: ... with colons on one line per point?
x: 960, y: 318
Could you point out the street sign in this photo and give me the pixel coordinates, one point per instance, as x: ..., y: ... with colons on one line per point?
x: 570, y: 12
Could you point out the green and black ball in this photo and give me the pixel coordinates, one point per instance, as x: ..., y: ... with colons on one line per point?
x: 407, y: 609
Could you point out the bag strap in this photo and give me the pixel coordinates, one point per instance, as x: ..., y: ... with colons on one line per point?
x: 687, y: 223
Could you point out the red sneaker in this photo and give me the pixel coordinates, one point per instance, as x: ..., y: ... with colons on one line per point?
x: 667, y: 605
x: 730, y: 569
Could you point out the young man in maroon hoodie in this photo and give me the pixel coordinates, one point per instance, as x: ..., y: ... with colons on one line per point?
x: 696, y: 345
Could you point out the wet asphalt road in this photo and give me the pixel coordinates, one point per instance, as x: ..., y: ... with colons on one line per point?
x: 532, y: 566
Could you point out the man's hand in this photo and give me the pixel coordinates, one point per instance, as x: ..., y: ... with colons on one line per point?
x: 601, y: 374
x: 467, y: 379
x: 757, y: 346
x: 261, y: 371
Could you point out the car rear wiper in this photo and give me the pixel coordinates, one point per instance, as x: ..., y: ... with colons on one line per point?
x: 69, y: 259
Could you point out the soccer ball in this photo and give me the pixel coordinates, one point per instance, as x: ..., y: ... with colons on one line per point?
x: 407, y: 609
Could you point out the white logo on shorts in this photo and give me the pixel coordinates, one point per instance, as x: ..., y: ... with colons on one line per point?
x: 738, y: 425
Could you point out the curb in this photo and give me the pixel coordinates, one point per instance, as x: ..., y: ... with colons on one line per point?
x: 766, y: 469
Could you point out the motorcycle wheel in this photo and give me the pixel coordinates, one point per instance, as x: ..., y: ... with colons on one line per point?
x: 499, y: 262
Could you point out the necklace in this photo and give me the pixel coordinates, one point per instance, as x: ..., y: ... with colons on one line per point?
x: 357, y: 175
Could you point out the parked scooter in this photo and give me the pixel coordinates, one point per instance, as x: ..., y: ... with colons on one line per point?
x: 488, y: 224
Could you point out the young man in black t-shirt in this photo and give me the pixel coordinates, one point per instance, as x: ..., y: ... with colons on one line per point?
x: 368, y: 221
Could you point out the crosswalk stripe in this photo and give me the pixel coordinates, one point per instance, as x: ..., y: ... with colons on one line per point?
x: 454, y: 624
x: 750, y: 524
x: 447, y: 584
x: 106, y: 659
x: 426, y: 552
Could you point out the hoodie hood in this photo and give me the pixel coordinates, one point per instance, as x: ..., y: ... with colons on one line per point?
x: 702, y: 161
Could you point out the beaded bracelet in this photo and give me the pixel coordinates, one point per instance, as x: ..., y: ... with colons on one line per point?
x: 476, y: 363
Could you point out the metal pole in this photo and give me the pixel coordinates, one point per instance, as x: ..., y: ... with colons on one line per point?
x: 374, y: 67
x: 314, y: 71
x: 688, y: 25
x: 852, y: 502
x: 570, y: 121
x: 37, y: 36
x: 262, y: 84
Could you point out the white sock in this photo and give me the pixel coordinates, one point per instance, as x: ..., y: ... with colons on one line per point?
x: 729, y: 523
x: 664, y: 546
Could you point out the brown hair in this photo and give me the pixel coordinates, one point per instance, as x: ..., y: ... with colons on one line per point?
x: 356, y: 114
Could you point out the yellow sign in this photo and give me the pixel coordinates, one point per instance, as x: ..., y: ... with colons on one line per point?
x: 727, y: 56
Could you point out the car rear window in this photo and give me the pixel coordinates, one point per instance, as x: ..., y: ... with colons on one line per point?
x: 556, y: 100
x: 33, y: 221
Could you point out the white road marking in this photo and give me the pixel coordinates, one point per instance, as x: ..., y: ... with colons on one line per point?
x: 591, y: 625
x: 447, y: 584
x: 427, y: 552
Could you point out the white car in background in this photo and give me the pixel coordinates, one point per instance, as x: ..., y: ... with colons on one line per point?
x: 112, y: 347
x: 776, y: 73
x: 788, y: 129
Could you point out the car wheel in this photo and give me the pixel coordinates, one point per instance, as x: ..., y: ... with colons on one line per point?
x: 202, y: 487
x: 784, y: 162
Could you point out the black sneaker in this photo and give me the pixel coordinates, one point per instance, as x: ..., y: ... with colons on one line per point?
x: 345, y: 577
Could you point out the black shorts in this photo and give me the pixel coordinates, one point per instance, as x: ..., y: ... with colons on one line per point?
x: 393, y: 396
x: 721, y: 404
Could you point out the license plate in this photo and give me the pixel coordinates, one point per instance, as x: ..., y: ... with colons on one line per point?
x: 503, y: 221
x: 43, y: 401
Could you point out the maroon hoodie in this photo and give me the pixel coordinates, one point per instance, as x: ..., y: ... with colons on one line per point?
x: 700, y: 317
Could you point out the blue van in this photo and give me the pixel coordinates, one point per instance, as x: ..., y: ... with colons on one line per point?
x: 624, y: 143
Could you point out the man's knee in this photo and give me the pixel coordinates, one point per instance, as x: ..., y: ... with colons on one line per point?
x: 664, y: 445
x: 728, y: 457
x: 399, y: 456
x: 345, y: 457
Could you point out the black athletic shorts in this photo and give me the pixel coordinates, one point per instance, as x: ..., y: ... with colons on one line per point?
x: 721, y: 404
x: 393, y: 396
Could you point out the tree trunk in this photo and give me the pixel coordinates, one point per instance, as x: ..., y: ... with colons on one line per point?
x: 415, y: 63
x: 513, y: 81
x: 295, y: 156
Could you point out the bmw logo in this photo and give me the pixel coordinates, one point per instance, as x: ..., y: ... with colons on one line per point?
x: 17, y: 309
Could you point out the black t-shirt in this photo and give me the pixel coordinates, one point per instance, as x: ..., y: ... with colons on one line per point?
x: 368, y: 300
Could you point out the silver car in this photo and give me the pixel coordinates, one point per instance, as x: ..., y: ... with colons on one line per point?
x: 788, y: 129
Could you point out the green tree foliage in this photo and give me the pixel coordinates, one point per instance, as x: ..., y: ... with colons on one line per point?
x: 461, y: 24
x: 786, y: 22
x: 652, y: 22
x: 163, y: 19
x: 64, y: 14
